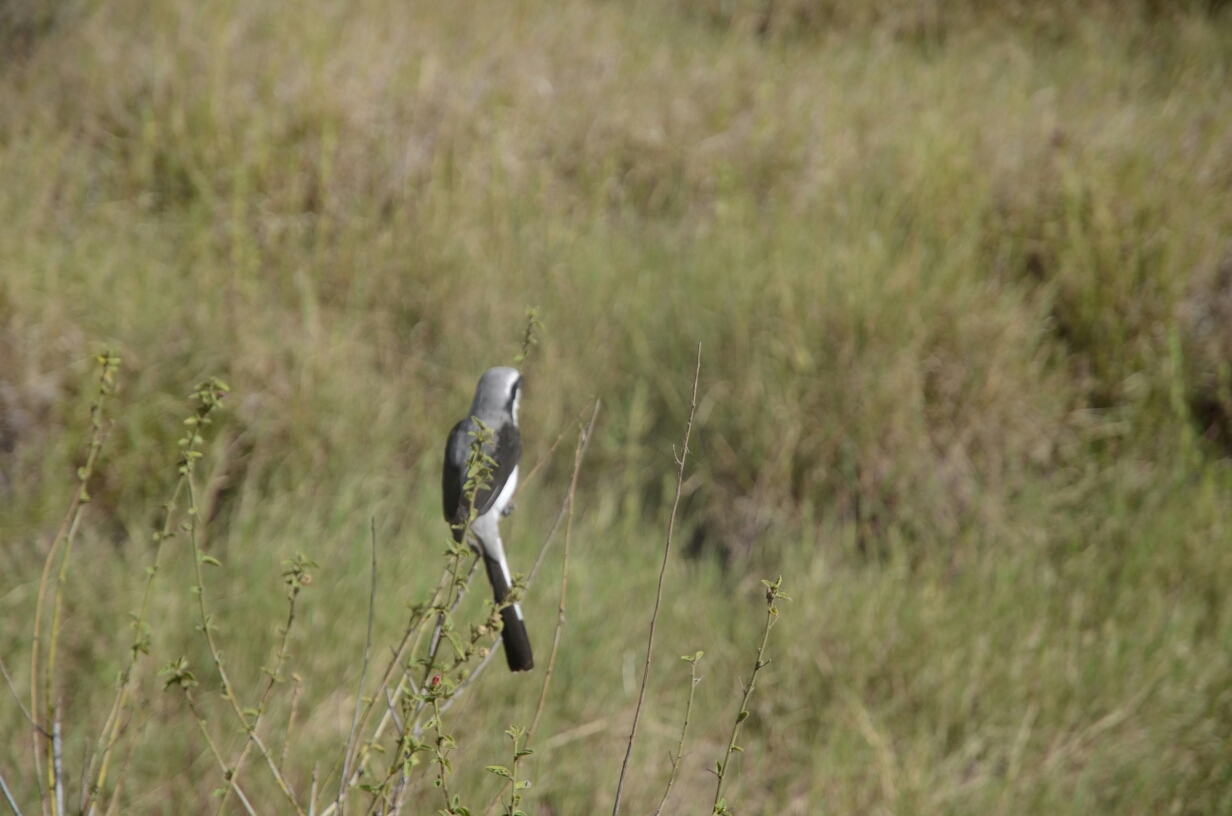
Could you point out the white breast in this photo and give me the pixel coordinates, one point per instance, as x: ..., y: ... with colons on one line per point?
x: 506, y: 494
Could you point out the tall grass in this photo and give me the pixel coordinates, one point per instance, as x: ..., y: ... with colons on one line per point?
x: 961, y: 276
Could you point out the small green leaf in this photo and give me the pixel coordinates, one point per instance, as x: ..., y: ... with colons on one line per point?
x: 499, y: 770
x: 211, y: 560
x: 742, y: 716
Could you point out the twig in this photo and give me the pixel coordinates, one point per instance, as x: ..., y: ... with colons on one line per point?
x: 296, y: 578
x: 286, y: 742
x: 442, y: 742
x: 113, y: 805
x: 688, y: 709
x: 363, y: 677
x: 108, y: 363
x: 8, y: 796
x: 583, y: 436
x: 564, y: 575
x: 4, y: 670
x: 222, y: 763
x: 212, y: 390
x: 773, y: 593
x: 389, y: 698
x: 654, y: 618
x: 406, y: 679
x: 418, y: 618
x: 111, y: 728
x: 57, y: 754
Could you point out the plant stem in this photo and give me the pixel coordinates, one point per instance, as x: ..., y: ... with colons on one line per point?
x: 688, y: 709
x: 363, y: 676
x: 773, y: 593
x: 654, y: 618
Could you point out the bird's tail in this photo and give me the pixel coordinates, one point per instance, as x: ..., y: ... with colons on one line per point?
x: 517, y: 642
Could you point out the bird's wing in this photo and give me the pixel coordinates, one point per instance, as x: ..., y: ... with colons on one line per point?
x: 507, y: 455
x: 453, y: 475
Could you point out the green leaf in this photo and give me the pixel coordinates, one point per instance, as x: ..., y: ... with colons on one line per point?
x: 211, y: 560
x: 742, y: 716
x: 499, y: 770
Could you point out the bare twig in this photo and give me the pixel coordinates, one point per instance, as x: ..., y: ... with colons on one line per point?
x: 113, y: 806
x: 564, y: 574
x: 286, y: 742
x: 773, y: 593
x: 688, y: 709
x: 57, y: 754
x: 654, y: 618
x: 222, y: 763
x: 213, y: 391
x: 363, y: 677
x: 296, y: 578
x: 389, y: 698
x: 110, y: 733
x: 583, y: 437
x: 108, y: 364
x: 414, y: 625
x: 4, y: 670
x: 8, y: 796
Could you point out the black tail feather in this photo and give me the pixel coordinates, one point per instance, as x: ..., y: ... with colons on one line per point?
x: 517, y: 642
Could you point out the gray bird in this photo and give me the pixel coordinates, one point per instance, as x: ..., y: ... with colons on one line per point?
x: 496, y: 406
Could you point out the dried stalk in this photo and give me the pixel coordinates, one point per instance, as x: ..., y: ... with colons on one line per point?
x: 654, y: 618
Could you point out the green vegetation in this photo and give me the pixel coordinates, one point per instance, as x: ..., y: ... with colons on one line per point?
x: 963, y: 280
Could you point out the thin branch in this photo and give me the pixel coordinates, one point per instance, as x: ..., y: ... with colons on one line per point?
x: 222, y: 763
x: 108, y: 363
x: 564, y: 575
x: 296, y: 577
x: 363, y: 677
x: 8, y: 796
x: 389, y: 698
x: 12, y: 689
x: 113, y: 806
x: 57, y: 755
x: 312, y: 793
x: 207, y: 626
x: 111, y: 728
x: 654, y: 618
x: 688, y: 709
x: 773, y: 593
x: 286, y: 742
x: 583, y: 437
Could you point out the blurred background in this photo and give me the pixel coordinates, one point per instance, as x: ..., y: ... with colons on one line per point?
x: 961, y: 273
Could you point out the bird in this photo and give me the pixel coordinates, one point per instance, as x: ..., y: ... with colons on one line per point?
x: 496, y: 406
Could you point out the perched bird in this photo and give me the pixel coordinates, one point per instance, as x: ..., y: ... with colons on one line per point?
x: 496, y: 406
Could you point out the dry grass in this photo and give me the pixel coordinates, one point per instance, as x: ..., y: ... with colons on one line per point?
x: 960, y: 275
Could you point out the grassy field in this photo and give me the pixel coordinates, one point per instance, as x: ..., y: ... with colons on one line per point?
x: 962, y: 277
